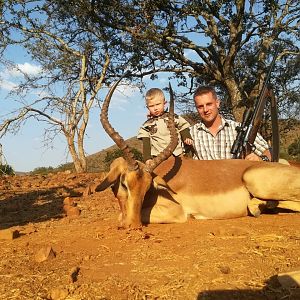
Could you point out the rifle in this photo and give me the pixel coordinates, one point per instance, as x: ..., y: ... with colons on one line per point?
x: 247, y: 131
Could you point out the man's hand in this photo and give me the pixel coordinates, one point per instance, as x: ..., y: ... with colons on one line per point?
x: 188, y: 141
x: 253, y: 157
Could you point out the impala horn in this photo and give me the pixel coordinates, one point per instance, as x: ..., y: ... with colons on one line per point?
x: 167, y: 152
x: 115, y: 136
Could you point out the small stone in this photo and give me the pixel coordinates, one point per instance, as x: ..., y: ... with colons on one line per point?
x: 59, y: 294
x: 87, y: 191
x: 45, y: 253
x: 69, y: 201
x: 29, y: 230
x: 224, y: 269
x: 73, y: 274
x: 9, y: 234
x: 71, y: 211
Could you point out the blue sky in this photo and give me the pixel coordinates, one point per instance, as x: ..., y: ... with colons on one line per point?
x: 25, y: 152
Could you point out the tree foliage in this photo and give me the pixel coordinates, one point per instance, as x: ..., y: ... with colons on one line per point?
x: 75, y: 65
x: 112, y: 155
x: 83, y: 45
x: 225, y: 43
x: 6, y: 170
x: 294, y: 149
x: 42, y: 170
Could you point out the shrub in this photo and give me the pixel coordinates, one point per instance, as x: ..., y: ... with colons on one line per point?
x: 112, y: 155
x: 294, y: 149
x: 6, y: 170
x: 42, y: 170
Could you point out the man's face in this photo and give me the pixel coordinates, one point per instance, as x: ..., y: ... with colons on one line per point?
x: 208, y: 107
x: 156, y: 107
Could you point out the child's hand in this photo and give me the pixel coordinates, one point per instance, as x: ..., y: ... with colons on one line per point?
x: 148, y: 162
x: 188, y: 141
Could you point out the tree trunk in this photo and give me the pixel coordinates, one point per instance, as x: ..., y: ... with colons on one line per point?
x: 235, y: 98
x: 79, y: 162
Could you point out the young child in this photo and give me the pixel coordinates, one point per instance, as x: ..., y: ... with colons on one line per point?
x: 154, y: 132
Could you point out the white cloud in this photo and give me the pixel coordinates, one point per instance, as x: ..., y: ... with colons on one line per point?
x: 10, y: 75
x: 14, y: 72
x: 123, y: 95
x: 26, y: 68
x: 7, y: 85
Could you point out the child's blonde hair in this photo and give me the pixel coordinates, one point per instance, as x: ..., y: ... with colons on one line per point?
x: 154, y: 93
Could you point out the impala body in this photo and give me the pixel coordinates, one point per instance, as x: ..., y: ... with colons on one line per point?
x: 180, y: 188
x: 169, y: 189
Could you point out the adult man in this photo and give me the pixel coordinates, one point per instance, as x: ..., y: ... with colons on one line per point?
x: 214, y: 135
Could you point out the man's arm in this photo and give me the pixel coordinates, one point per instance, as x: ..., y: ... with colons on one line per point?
x: 266, y: 156
x: 261, y: 151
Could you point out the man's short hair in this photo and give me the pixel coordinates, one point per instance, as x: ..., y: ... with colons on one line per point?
x: 154, y: 93
x: 205, y: 89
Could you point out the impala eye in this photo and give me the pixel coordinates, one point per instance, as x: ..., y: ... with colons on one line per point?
x: 122, y: 180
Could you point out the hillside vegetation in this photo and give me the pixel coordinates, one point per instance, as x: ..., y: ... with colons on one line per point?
x: 96, y: 162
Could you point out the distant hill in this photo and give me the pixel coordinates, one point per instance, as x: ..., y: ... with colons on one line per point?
x: 96, y: 161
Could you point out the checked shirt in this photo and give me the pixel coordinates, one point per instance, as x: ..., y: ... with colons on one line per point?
x: 211, y: 147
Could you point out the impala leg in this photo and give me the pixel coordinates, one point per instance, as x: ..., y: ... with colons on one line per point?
x: 273, y: 181
x: 291, y: 205
x: 256, y: 206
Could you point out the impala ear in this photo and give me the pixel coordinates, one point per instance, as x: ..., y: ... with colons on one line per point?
x: 110, y: 178
x: 159, y: 183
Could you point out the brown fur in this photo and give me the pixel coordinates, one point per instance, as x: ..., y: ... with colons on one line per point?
x: 181, y: 187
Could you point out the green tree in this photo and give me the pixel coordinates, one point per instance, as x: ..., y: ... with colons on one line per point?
x: 294, y: 149
x: 225, y: 43
x: 74, y: 66
x: 42, y: 170
x: 6, y: 170
x: 112, y: 155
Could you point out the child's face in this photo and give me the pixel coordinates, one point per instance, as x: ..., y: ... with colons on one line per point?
x: 156, y: 107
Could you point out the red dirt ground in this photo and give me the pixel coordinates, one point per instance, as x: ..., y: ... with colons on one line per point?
x: 201, y: 259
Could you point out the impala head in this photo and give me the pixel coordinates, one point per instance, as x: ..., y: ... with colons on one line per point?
x: 130, y: 179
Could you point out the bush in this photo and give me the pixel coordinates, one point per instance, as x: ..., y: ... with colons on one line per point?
x: 65, y: 167
x: 6, y: 170
x: 42, y: 170
x: 112, y: 155
x: 294, y: 149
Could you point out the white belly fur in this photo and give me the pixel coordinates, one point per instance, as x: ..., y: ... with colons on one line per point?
x: 231, y: 204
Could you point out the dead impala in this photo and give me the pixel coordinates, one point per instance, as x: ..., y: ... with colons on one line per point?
x: 171, y: 189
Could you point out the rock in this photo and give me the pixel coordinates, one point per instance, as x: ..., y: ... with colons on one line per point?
x: 73, y: 274
x: 289, y: 279
x: 87, y: 191
x: 9, y: 234
x: 59, y: 294
x: 69, y: 201
x: 45, y: 253
x: 29, y: 229
x: 224, y: 269
x: 71, y: 211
